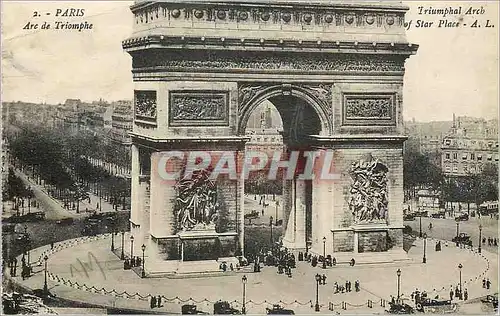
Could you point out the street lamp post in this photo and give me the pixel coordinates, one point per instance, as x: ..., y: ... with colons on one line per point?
x: 131, y: 247
x: 399, y: 282
x: 420, y: 225
x: 122, y: 256
x: 45, y: 287
x: 460, y: 266
x: 271, y: 224
x: 424, y: 259
x: 480, y: 230
x: 113, y: 240
x: 324, y: 252
x: 458, y: 227
x: 244, y: 281
x: 143, y: 274
x: 276, y: 218
x: 318, y: 279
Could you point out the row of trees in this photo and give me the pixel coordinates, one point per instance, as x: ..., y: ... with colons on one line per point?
x: 420, y: 172
x: 59, y: 161
x: 15, y: 190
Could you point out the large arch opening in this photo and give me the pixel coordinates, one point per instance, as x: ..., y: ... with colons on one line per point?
x: 273, y: 207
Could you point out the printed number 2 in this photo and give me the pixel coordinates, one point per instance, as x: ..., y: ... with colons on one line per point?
x: 35, y: 14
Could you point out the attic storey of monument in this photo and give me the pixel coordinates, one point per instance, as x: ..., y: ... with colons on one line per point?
x: 334, y: 71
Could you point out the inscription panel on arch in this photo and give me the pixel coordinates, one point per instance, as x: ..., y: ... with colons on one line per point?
x: 199, y: 108
x: 369, y: 109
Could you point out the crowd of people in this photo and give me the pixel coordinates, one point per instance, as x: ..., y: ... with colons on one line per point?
x: 345, y: 288
x: 131, y: 263
x: 491, y: 241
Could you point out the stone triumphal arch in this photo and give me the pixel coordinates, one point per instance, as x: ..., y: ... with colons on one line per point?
x: 335, y: 73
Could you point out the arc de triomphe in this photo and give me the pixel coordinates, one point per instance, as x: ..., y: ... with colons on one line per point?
x: 335, y: 73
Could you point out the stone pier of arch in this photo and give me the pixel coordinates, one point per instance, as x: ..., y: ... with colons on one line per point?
x: 334, y: 72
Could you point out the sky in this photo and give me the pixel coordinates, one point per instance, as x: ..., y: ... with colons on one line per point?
x: 454, y: 71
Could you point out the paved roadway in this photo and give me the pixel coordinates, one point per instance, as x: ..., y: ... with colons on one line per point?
x: 253, y: 204
x: 446, y: 229
x: 377, y: 281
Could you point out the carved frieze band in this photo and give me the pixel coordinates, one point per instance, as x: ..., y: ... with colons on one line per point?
x: 272, y: 15
x: 369, y: 109
x: 199, y: 108
x: 224, y: 61
x: 145, y: 105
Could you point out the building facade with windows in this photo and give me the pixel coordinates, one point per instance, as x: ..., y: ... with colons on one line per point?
x: 469, y: 146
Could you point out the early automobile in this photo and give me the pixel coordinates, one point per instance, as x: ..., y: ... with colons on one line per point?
x: 409, y: 217
x: 279, y: 310
x: 430, y: 303
x: 402, y: 308
x: 491, y: 300
x: 462, y: 238
x: 440, y: 214
x: 223, y: 308
x: 190, y: 309
x: 462, y: 217
x: 252, y: 215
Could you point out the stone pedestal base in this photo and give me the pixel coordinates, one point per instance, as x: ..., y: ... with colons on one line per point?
x: 192, y: 253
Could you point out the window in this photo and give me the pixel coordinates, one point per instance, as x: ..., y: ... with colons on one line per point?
x: 490, y: 156
x: 455, y: 156
x: 472, y: 156
x: 479, y: 157
x: 447, y: 155
x: 455, y: 168
x: 464, y: 156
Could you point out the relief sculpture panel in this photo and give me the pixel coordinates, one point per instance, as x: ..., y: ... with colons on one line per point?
x: 369, y: 109
x: 198, y: 108
x: 145, y: 104
x: 196, y: 205
x: 368, y: 200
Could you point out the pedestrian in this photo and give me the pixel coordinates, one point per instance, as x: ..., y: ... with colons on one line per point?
x: 484, y: 283
x: 231, y: 266
x: 51, y: 245
x: 466, y: 295
x: 451, y: 294
x: 484, y: 240
x: 393, y: 301
x: 158, y: 301
x: 457, y: 292
x: 495, y: 242
x: 335, y: 288
x: 488, y: 284
x: 356, y: 285
x: 152, y: 302
x: 347, y: 286
x: 324, y: 279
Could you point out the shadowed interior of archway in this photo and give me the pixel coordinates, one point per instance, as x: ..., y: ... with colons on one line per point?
x: 298, y: 116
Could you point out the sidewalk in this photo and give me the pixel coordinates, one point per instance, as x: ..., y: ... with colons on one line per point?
x: 106, y: 283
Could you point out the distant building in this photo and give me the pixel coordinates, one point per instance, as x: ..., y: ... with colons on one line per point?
x: 426, y: 138
x: 121, y: 122
x: 470, y: 144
